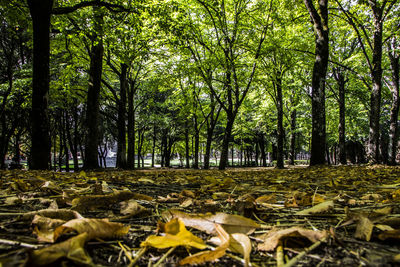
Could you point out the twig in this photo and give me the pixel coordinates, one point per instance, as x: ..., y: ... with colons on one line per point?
x: 127, y: 253
x: 304, y: 253
x: 164, y: 257
x: 279, y: 255
x: 137, y: 257
x: 17, y: 243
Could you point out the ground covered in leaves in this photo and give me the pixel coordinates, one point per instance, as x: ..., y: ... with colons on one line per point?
x: 325, y: 216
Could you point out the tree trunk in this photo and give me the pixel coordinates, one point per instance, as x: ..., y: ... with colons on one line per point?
x: 40, y: 11
x: 121, y: 123
x: 340, y: 79
x: 93, y: 98
x: 318, y: 136
x: 196, y: 147
x: 279, y: 106
x: 394, y: 112
x: 376, y: 74
x: 261, y: 142
x: 131, y: 127
x: 292, y: 156
x: 225, y: 144
x: 153, y: 153
x: 187, y: 148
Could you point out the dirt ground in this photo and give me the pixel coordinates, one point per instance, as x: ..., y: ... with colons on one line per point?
x: 321, y: 216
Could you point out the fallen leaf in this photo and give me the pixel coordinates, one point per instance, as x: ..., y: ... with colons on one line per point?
x: 187, y: 193
x: 210, y: 255
x: 272, y: 238
x: 131, y: 207
x: 92, y: 202
x: 364, y: 229
x: 44, y: 228
x: 72, y: 249
x: 393, y: 234
x: 175, y: 235
x: 317, y: 209
x: 186, y: 203
x: 240, y: 243
x: 62, y: 214
x: 95, y: 228
x: 206, y: 222
x: 266, y: 199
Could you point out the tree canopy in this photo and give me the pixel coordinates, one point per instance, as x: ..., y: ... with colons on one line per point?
x: 198, y: 83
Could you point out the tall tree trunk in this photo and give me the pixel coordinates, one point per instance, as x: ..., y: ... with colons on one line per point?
x: 40, y: 11
x: 153, y: 153
x: 376, y: 74
x: 121, y: 123
x: 196, y: 147
x: 261, y: 142
x: 207, y: 155
x: 341, y: 82
x: 93, y: 98
x: 131, y: 127
x: 318, y: 136
x: 279, y: 106
x: 292, y: 155
x: 394, y: 112
x: 225, y: 143
x: 187, y: 148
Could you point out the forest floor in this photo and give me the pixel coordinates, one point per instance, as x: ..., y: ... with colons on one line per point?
x: 320, y: 216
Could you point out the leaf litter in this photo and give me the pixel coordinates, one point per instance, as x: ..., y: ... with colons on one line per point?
x: 326, y: 216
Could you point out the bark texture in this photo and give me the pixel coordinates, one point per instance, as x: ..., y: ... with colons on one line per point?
x: 40, y: 11
x: 93, y: 98
x: 319, y: 19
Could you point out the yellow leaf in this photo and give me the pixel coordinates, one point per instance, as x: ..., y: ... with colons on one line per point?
x: 175, y: 235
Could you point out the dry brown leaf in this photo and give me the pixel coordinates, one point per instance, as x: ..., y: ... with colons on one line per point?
x: 175, y: 235
x: 364, y: 229
x: 186, y: 203
x: 320, y: 208
x: 240, y: 243
x: 272, y: 238
x: 73, y: 249
x: 393, y: 234
x: 92, y: 202
x: 44, y: 228
x: 95, y: 228
x: 131, y: 207
x: 188, y: 193
x: 62, y: 214
x: 206, y: 222
x: 210, y: 255
x: 266, y: 199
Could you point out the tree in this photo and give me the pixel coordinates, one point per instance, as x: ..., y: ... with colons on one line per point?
x: 319, y: 20
x: 371, y: 45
